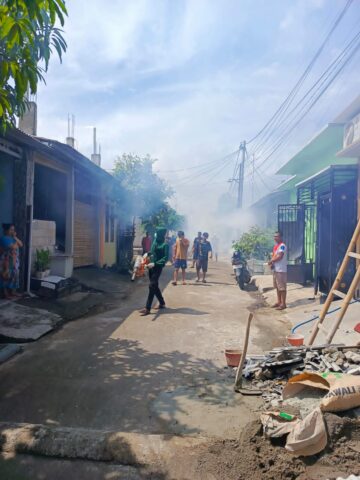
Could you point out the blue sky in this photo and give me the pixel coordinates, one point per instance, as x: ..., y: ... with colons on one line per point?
x: 187, y: 80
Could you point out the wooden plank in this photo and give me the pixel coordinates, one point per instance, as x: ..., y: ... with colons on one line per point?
x: 354, y: 255
x: 339, y: 294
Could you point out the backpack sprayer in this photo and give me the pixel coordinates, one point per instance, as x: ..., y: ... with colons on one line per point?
x: 142, y: 263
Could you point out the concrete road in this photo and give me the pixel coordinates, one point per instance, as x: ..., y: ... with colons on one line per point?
x: 158, y: 374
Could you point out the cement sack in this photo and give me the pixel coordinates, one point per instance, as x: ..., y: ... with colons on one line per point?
x: 341, y: 391
x: 344, y: 394
x: 308, y: 436
x: 275, y: 426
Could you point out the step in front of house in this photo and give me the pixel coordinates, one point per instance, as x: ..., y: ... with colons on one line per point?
x: 54, y: 286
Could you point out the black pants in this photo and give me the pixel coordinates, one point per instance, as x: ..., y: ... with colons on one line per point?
x: 154, y: 290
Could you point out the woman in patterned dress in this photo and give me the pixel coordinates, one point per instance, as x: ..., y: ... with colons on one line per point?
x: 9, y: 261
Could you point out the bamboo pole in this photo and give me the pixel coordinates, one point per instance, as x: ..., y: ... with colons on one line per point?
x: 345, y: 305
x: 339, y: 277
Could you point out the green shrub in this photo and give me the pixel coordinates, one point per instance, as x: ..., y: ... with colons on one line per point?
x: 256, y: 243
x: 42, y: 260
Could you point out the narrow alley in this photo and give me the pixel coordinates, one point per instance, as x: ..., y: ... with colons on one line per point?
x: 164, y: 373
x: 179, y: 240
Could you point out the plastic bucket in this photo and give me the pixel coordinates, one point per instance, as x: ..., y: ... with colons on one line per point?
x: 295, y: 339
x: 233, y: 357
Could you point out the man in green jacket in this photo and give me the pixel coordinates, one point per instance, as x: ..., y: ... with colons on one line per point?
x: 158, y: 257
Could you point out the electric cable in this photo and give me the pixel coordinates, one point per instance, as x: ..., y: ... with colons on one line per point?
x: 301, y: 80
x: 330, y: 74
x: 321, y: 80
x: 190, y: 178
x: 194, y: 167
x: 216, y: 173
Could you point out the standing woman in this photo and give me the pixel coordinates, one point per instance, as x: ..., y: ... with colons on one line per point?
x: 9, y: 261
x: 158, y: 257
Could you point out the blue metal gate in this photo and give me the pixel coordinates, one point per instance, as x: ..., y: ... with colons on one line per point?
x: 297, y: 222
x: 337, y: 221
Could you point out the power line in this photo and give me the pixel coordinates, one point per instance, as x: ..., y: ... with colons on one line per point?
x: 217, y: 173
x: 321, y: 80
x: 201, y: 165
x: 320, y: 86
x: 190, y: 178
x: 286, y: 103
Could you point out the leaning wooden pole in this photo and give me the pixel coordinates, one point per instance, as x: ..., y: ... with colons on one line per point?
x: 238, y: 378
x: 344, y: 306
x: 339, y: 277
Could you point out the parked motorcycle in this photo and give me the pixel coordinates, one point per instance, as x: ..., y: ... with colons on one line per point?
x: 240, y: 268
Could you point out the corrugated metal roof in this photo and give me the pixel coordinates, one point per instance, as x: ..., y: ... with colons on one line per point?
x: 70, y: 154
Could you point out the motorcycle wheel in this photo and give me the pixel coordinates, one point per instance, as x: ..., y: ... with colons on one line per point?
x: 240, y: 282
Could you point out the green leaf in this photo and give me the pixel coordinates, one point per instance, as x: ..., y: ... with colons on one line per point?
x: 20, y: 84
x: 28, y: 39
x: 52, y: 12
x: 13, y: 68
x: 13, y: 37
x: 6, y: 26
x: 58, y: 48
x: 4, y: 71
x: 61, y: 5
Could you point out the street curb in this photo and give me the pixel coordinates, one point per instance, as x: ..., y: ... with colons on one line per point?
x: 126, y: 448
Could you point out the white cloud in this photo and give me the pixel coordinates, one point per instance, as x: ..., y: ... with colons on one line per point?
x: 185, y: 81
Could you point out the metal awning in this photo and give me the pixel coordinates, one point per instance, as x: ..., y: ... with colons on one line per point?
x: 324, y: 182
x: 317, y: 154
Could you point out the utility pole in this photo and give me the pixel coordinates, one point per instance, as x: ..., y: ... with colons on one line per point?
x: 253, y: 178
x: 241, y: 175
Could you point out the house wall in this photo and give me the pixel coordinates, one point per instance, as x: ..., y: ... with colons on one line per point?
x: 139, y: 232
x: 16, y: 167
x: 110, y: 254
x: 6, y: 188
x: 13, y: 201
x: 22, y: 214
x: 61, y: 260
x: 110, y: 233
x: 265, y: 212
x: 43, y: 237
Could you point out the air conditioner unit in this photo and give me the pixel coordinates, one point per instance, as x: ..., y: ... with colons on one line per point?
x: 352, y: 132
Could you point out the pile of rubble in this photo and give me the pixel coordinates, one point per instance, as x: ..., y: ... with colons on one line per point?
x: 270, y: 372
x: 291, y: 361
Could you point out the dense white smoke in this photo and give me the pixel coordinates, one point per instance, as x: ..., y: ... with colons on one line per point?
x: 204, y: 214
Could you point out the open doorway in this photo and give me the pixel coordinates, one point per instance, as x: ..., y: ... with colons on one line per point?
x: 50, y: 194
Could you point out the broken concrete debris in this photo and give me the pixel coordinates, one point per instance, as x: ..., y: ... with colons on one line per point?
x: 299, y: 384
x: 270, y: 372
x: 291, y: 361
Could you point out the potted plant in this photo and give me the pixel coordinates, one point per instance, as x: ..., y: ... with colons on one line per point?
x: 42, y: 263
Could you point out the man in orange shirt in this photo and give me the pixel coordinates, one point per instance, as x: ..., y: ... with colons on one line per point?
x: 180, y: 256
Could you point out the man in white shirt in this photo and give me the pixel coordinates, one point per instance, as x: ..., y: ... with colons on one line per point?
x: 278, y: 265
